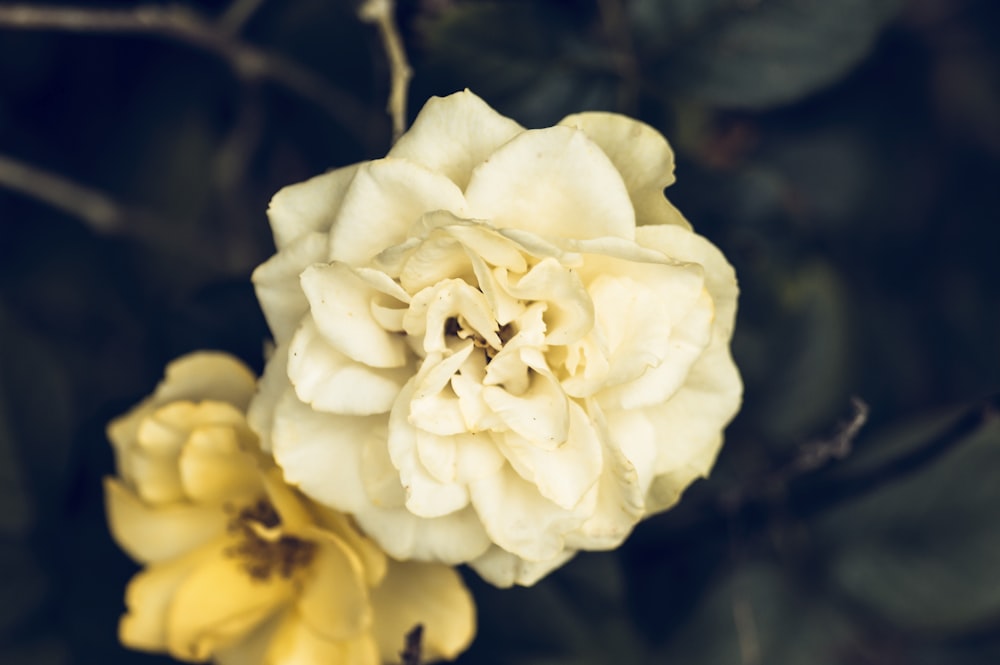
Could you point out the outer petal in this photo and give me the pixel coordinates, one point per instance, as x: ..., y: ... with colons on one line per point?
x: 157, y: 534
x: 278, y: 287
x: 642, y: 156
x: 553, y: 182
x: 321, y: 452
x: 308, y: 206
x: 431, y: 595
x: 503, y: 569
x: 214, y: 468
x: 295, y: 643
x: 453, y: 134
x: 148, y: 597
x: 386, y: 197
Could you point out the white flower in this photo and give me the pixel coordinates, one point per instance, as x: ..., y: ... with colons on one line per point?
x: 496, y: 345
x: 240, y: 568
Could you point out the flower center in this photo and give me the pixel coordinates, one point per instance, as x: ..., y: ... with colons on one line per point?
x: 261, y: 556
x: 455, y: 327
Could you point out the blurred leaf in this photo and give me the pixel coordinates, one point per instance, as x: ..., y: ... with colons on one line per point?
x: 757, y: 616
x: 807, y: 380
x: 923, y: 550
x: 755, y: 54
x: 531, y: 60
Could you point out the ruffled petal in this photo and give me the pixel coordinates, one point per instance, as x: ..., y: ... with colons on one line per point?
x: 341, y: 305
x: 553, y: 182
x: 330, y: 381
x: 643, y: 158
x: 563, y: 474
x: 151, y: 534
x: 452, y: 539
x: 519, y: 519
x: 279, y: 289
x: 503, y: 569
x: 431, y: 595
x: 453, y: 134
x: 308, y: 206
x: 386, y: 197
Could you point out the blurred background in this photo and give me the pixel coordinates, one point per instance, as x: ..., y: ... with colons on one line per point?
x: 844, y: 154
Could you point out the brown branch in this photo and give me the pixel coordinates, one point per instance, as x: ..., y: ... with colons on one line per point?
x: 382, y: 13
x: 100, y: 212
x: 182, y: 25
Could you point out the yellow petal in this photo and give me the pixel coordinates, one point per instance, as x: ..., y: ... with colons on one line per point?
x: 214, y: 468
x: 334, y: 600
x: 148, y: 597
x: 295, y: 644
x: 432, y: 595
x: 219, y: 603
x: 150, y: 534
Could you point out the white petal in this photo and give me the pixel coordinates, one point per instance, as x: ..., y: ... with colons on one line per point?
x: 642, y: 156
x: 386, y: 197
x: 308, y: 206
x: 569, y: 312
x: 451, y: 539
x: 330, y: 381
x: 452, y: 134
x: 321, y: 452
x: 552, y: 182
x: 273, y: 384
x: 503, y: 569
x: 426, y: 496
x: 453, y: 298
x: 278, y: 287
x: 563, y: 474
x: 519, y: 519
x: 341, y: 304
x: 541, y: 414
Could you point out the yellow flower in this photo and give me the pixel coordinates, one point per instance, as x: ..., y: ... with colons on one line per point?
x: 240, y: 568
x: 496, y: 345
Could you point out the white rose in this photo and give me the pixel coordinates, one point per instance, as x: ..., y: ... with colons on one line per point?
x: 496, y: 345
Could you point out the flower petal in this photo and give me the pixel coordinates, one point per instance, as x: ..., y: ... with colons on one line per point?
x: 519, y: 519
x: 453, y: 134
x: 334, y: 598
x: 642, y: 156
x: 563, y: 474
x: 214, y: 467
x: 148, y: 597
x: 151, y: 534
x: 218, y: 604
x: 386, y: 197
x: 330, y: 381
x: 295, y: 643
x: 503, y: 569
x: 431, y: 595
x: 278, y: 286
x: 451, y: 539
x: 321, y: 452
x: 341, y: 304
x: 553, y: 182
x: 308, y: 206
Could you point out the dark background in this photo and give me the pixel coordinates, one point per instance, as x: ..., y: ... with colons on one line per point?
x: 843, y: 153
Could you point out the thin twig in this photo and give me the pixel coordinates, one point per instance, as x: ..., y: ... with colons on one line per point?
x: 100, y: 212
x: 234, y: 19
x: 383, y: 14
x: 182, y: 25
x: 412, y: 651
